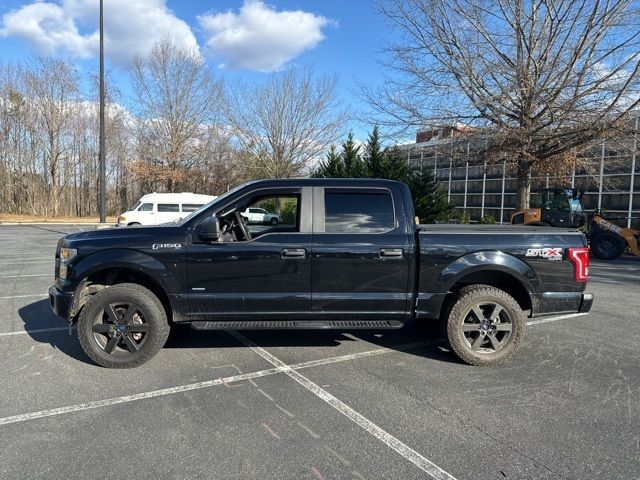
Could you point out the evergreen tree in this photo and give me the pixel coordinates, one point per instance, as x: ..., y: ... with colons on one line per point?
x: 353, y: 165
x: 375, y: 158
x: 396, y: 166
x: 429, y: 200
x: 332, y: 166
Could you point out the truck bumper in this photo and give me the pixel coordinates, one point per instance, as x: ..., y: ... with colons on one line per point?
x: 549, y: 303
x: 60, y: 302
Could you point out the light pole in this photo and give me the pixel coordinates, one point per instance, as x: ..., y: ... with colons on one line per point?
x: 101, y: 156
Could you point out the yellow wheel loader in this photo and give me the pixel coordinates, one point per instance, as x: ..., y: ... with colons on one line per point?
x: 552, y: 207
x: 608, y: 240
x: 560, y: 207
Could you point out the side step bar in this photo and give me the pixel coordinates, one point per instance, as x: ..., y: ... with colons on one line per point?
x: 301, y: 324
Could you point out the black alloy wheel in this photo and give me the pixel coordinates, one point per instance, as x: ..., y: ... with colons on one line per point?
x: 120, y: 328
x: 487, y: 327
x: 123, y: 326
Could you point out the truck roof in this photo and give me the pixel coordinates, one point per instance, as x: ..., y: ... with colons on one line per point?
x: 323, y: 182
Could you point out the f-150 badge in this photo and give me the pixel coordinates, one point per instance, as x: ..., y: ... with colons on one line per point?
x: 158, y: 246
x: 548, y: 253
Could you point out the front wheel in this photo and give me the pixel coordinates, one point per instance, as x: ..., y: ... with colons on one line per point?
x: 485, y: 325
x: 607, y: 246
x: 123, y: 326
x: 274, y: 221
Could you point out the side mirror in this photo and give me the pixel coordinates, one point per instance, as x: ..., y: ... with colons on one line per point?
x: 209, y: 230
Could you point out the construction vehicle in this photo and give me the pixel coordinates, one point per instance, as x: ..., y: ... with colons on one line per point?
x: 608, y: 240
x: 561, y: 207
x: 552, y: 207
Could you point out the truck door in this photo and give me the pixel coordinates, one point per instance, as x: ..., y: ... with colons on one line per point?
x: 361, y: 254
x: 267, y: 276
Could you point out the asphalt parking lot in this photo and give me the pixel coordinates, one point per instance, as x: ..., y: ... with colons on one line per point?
x: 317, y: 405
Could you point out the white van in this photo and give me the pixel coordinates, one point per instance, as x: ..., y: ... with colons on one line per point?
x: 157, y: 208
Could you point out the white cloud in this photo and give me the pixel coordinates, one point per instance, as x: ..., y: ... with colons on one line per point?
x: 260, y: 38
x: 131, y: 27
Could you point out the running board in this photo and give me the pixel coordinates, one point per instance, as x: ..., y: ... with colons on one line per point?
x: 302, y: 324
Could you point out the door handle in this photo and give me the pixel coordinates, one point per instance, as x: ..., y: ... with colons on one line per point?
x: 293, y: 253
x: 391, y: 253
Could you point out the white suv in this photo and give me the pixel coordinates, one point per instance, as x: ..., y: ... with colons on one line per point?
x: 260, y: 215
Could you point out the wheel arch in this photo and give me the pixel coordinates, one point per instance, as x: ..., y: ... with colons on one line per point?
x: 493, y: 268
x: 505, y: 281
x: 97, y: 273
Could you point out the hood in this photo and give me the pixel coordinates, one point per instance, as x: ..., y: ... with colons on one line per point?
x: 114, y: 237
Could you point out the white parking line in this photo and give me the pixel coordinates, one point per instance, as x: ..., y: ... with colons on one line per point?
x: 168, y: 391
x: 368, y: 353
x: 35, y: 330
x: 130, y: 398
x: 555, y: 319
x: 407, y: 452
x: 43, y: 295
x: 30, y: 275
x: 41, y: 262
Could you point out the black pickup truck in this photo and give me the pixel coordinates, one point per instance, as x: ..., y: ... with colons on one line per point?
x: 344, y: 254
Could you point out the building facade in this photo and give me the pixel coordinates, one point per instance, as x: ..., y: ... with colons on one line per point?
x: 609, y: 175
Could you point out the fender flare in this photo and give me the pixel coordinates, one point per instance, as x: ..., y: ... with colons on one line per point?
x: 494, y: 261
x: 105, y: 260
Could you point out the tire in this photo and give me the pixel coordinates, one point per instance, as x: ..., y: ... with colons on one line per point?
x: 274, y: 221
x: 607, y: 246
x: 123, y: 343
x: 490, y: 342
x: 133, y: 224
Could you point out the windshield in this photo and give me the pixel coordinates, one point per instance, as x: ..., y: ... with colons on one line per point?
x: 136, y: 205
x: 197, y: 212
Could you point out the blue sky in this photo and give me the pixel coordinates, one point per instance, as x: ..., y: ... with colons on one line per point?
x: 332, y: 36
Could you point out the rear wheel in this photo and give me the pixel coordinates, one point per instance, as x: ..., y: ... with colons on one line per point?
x: 274, y: 221
x: 123, y: 326
x: 485, y: 325
x: 607, y: 246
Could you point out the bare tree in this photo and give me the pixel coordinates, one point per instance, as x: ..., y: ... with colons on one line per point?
x: 176, y: 98
x: 542, y: 79
x: 52, y: 91
x: 286, y: 123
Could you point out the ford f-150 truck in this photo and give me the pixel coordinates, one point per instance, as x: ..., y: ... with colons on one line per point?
x: 349, y: 255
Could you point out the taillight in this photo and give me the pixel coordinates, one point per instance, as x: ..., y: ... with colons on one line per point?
x: 580, y: 259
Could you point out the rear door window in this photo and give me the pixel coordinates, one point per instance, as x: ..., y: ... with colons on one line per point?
x: 168, y: 207
x: 369, y: 211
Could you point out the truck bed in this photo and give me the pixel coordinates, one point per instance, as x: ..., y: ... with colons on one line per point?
x: 457, y: 228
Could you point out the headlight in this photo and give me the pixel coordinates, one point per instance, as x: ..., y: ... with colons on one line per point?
x: 122, y: 219
x: 66, y: 255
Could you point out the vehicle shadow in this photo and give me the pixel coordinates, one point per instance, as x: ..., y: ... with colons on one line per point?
x: 38, y: 316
